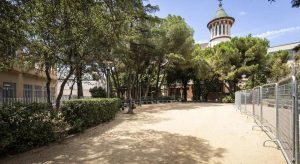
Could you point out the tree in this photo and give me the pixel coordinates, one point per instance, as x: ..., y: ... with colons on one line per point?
x: 277, y: 63
x: 241, y: 56
x: 12, y: 32
x: 228, y: 61
x: 98, y: 92
x: 206, y: 79
x: 295, y: 3
x: 179, y: 46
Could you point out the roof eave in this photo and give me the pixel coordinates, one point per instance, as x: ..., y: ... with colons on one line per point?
x: 215, y: 19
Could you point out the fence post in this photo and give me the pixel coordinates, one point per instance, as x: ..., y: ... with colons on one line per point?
x: 261, y: 105
x: 246, y: 102
x: 295, y: 120
x: 277, y: 113
x: 253, y: 92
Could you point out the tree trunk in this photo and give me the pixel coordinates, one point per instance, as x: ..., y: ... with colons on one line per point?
x: 61, y: 90
x: 79, y: 81
x: 163, y: 79
x: 130, y: 108
x: 148, y: 85
x: 71, y: 92
x: 184, y: 91
x: 253, y: 81
x: 157, y: 81
x: 48, y: 83
x: 116, y: 84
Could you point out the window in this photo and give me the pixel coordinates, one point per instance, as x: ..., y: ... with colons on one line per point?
x: 220, y: 29
x: 27, y: 91
x: 45, y: 92
x: 223, y: 29
x: 38, y: 92
x: 9, y: 90
x: 216, y: 32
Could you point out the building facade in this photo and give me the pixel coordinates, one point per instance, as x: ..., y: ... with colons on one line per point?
x: 19, y: 84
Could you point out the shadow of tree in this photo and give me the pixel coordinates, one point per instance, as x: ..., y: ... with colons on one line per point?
x: 156, y: 108
x: 145, y: 146
x: 112, y: 144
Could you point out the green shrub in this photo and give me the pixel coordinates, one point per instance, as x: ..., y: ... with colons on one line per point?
x: 98, y: 92
x: 25, y: 126
x: 228, y: 99
x: 83, y: 113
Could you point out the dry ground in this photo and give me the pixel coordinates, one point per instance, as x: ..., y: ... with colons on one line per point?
x: 165, y: 133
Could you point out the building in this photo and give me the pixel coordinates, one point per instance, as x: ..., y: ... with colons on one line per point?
x: 30, y: 85
x: 86, y: 86
x: 220, y: 27
x: 285, y: 47
x: 290, y: 48
x: 293, y: 54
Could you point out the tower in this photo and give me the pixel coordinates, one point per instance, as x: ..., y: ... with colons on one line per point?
x: 220, y: 26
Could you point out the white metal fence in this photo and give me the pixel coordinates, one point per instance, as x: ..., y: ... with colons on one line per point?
x: 274, y: 107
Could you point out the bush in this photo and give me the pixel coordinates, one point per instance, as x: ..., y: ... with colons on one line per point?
x: 98, y: 92
x: 228, y: 99
x: 25, y: 126
x: 83, y: 113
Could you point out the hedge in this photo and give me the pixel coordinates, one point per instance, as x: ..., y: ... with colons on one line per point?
x: 25, y: 126
x: 228, y: 99
x: 83, y: 113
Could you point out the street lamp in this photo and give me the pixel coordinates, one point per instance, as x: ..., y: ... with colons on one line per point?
x: 107, y: 69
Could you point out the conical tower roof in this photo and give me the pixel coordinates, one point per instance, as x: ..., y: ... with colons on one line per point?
x: 221, y: 12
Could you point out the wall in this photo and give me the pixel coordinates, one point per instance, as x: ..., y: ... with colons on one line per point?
x: 23, y: 78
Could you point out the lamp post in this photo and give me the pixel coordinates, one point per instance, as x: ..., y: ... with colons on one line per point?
x: 140, y: 92
x: 107, y: 70
x: 294, y: 64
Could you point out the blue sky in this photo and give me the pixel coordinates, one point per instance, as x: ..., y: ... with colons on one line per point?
x: 278, y: 22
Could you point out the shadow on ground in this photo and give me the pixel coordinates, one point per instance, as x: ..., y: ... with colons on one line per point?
x: 145, y: 146
x: 156, y: 108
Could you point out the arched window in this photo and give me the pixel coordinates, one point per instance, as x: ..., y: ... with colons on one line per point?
x: 216, y: 32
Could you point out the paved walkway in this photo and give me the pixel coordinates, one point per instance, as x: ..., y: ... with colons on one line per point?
x: 172, y: 133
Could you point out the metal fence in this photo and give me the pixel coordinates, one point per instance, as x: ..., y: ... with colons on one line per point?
x: 274, y: 107
x: 10, y: 101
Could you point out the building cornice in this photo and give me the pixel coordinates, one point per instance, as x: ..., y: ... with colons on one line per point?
x: 218, y: 37
x: 222, y: 18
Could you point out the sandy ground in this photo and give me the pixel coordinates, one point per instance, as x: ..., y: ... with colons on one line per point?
x: 165, y: 133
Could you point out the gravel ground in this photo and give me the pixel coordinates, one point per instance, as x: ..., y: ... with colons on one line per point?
x: 164, y: 133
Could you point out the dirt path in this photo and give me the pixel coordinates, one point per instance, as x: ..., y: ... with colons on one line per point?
x: 171, y: 133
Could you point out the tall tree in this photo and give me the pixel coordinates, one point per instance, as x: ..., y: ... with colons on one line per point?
x: 179, y: 44
x: 12, y: 31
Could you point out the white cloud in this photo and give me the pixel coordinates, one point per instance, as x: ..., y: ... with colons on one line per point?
x: 242, y: 13
x: 276, y: 33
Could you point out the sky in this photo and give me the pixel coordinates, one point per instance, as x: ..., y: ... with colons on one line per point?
x: 278, y: 22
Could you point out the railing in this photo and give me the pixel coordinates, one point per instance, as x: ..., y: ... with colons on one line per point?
x: 10, y: 101
x: 274, y: 108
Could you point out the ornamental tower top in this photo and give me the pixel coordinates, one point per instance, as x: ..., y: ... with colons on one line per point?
x: 220, y: 26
